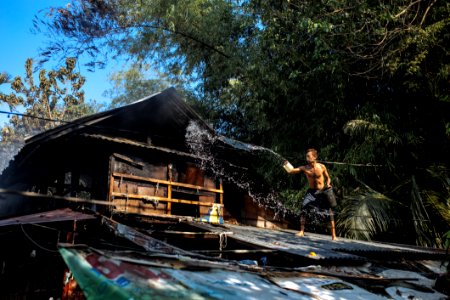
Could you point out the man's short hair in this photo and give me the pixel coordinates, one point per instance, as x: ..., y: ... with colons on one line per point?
x: 314, y: 152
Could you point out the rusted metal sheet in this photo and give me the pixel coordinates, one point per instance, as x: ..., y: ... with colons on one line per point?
x: 192, y: 175
x: 254, y: 215
x: 57, y: 215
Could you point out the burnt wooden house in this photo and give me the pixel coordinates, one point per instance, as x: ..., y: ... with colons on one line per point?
x: 136, y: 158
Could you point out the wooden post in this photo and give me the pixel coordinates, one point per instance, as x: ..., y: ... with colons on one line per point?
x: 221, y: 198
x: 221, y: 194
x: 169, y: 189
x: 111, y: 181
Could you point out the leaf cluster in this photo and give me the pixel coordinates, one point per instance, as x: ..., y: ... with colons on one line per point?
x: 56, y: 95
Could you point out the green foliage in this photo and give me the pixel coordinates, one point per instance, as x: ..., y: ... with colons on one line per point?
x: 57, y: 95
x: 425, y: 232
x: 367, y: 213
x: 133, y: 84
x: 446, y: 236
x: 292, y: 199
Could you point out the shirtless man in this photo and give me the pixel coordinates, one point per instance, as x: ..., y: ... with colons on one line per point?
x: 318, y: 179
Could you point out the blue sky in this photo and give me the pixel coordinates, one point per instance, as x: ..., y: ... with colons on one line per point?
x: 18, y: 44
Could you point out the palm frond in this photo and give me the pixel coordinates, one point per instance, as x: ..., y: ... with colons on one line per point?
x: 441, y: 173
x: 360, y: 126
x: 426, y: 234
x: 371, y: 130
x: 439, y: 205
x: 366, y: 214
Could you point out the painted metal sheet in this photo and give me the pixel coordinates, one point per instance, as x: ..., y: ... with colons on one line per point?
x: 120, y: 275
x: 103, y: 277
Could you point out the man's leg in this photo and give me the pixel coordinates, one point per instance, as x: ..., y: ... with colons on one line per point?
x: 302, y: 225
x: 333, y: 229
x: 307, y: 200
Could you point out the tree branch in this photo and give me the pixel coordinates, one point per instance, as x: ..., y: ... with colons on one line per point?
x: 426, y: 12
x: 188, y: 36
x: 407, y: 8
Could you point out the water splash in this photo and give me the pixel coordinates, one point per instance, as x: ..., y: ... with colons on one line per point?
x: 250, y: 147
x: 203, y: 144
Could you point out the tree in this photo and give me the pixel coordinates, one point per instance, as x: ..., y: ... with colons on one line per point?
x: 365, y: 82
x: 133, y: 84
x: 56, y: 98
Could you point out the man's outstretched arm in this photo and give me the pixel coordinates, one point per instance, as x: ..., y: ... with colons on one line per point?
x: 290, y: 169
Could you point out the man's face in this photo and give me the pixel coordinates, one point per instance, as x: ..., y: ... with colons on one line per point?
x: 310, y: 157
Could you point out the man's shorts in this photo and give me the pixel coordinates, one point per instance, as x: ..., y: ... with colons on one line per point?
x: 319, y: 199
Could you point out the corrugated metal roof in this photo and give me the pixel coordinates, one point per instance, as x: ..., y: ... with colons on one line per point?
x: 323, y: 247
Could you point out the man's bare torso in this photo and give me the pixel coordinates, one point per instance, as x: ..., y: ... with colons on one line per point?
x: 315, y: 175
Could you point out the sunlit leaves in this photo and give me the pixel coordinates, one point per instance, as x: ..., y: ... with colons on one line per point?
x: 134, y: 83
x: 57, y: 95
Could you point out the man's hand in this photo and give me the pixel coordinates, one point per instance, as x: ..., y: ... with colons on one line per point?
x: 287, y: 166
